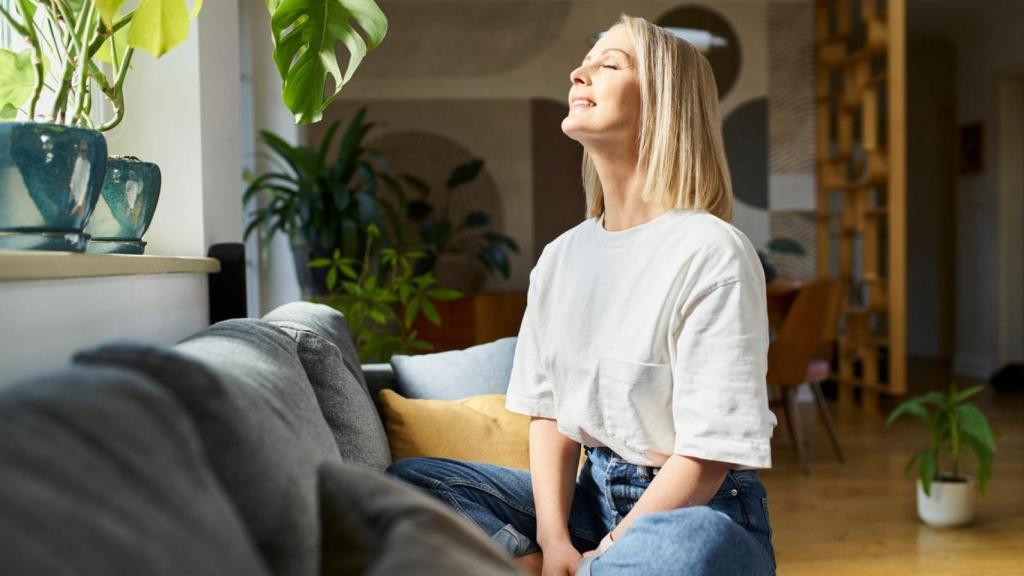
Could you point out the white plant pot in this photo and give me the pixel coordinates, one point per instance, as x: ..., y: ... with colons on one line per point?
x: 950, y: 504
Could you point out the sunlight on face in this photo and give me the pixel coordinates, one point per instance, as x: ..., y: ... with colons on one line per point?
x: 604, y: 100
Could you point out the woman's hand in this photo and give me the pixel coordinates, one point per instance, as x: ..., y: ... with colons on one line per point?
x: 560, y: 559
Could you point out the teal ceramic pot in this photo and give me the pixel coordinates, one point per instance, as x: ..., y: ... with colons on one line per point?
x: 126, y: 206
x: 50, y: 177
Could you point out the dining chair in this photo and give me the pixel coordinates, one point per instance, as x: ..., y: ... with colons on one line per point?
x: 801, y: 353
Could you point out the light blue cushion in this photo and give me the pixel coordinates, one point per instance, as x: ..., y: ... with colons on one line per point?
x: 481, y: 369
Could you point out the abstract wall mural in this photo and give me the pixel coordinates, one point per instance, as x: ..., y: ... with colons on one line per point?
x: 725, y: 61
x: 745, y: 132
x: 431, y: 157
x: 464, y: 38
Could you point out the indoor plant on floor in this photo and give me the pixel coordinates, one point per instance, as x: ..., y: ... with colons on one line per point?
x: 53, y: 166
x: 945, y: 495
x: 382, y: 300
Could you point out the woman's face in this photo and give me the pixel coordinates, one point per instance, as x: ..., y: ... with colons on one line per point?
x: 604, y: 100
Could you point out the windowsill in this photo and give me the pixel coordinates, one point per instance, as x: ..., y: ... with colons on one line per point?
x: 41, y: 265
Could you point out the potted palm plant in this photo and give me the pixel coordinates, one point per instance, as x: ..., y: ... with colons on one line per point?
x: 323, y: 203
x: 945, y: 493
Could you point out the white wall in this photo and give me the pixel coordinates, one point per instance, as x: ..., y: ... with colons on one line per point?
x: 271, y: 263
x: 182, y: 113
x: 989, y: 45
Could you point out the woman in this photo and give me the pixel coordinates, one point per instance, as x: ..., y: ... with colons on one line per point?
x: 644, y: 340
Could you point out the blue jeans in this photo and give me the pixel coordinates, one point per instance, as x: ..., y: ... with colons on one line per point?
x: 729, y: 536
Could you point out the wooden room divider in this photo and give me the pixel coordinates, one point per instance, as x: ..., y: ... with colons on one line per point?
x: 861, y: 188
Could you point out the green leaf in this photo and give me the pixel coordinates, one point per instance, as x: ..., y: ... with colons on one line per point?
x: 499, y: 238
x: 974, y: 424
x: 332, y: 278
x: 17, y: 78
x: 305, y: 34
x: 158, y: 26
x: 964, y: 395
x: 411, y: 310
x: 320, y: 263
x: 983, y: 458
x: 430, y: 312
x: 465, y: 173
x: 108, y: 10
x: 915, y: 405
x: 325, y: 144
x: 8, y: 112
x: 928, y: 468
x: 444, y: 294
x: 421, y: 345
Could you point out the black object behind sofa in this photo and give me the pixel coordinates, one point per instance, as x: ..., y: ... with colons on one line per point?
x: 210, y: 456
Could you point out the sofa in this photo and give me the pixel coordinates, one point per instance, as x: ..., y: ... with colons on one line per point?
x: 255, y: 446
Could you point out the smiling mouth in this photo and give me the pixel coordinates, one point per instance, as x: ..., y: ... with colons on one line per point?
x: 583, y: 104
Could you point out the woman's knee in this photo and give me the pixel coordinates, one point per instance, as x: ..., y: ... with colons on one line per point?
x: 695, y: 540
x: 690, y: 523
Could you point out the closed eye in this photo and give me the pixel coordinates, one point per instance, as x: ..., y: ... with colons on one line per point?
x: 609, y: 66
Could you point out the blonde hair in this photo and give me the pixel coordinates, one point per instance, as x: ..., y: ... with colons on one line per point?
x: 680, y: 140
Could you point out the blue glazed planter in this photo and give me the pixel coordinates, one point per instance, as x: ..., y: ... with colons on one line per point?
x: 131, y: 190
x: 50, y: 177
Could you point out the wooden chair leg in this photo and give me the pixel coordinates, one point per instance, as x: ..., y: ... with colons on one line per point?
x: 795, y: 429
x: 826, y: 416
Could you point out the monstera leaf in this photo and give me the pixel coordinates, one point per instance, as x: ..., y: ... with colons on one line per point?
x: 305, y: 35
x: 157, y: 26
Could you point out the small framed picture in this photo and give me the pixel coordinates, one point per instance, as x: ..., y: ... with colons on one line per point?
x: 972, y: 148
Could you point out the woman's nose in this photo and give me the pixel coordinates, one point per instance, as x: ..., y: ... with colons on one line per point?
x: 578, y: 76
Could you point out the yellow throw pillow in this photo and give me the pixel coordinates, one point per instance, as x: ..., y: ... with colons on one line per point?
x: 478, y: 429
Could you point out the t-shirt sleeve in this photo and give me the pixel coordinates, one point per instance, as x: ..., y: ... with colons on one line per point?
x: 719, y: 396
x: 529, y: 388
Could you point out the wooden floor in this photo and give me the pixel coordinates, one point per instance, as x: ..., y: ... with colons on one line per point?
x: 860, y: 517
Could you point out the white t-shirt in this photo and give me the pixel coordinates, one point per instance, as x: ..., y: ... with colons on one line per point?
x: 651, y: 341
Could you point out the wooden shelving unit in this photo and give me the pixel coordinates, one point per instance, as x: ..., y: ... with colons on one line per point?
x: 861, y: 188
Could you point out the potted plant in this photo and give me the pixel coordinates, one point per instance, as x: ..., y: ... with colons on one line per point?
x: 382, y: 300
x: 54, y: 163
x: 945, y: 494
x: 450, y: 248
x: 324, y: 205
x: 779, y: 245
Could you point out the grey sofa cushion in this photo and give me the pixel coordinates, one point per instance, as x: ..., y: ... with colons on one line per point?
x: 322, y: 334
x: 454, y: 374
x: 326, y: 322
x: 378, y: 526
x: 103, y: 473
x: 243, y: 384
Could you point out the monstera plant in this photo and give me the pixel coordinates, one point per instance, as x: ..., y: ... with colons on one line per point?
x: 305, y: 35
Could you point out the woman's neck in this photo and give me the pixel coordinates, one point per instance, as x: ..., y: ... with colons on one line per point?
x: 621, y: 184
